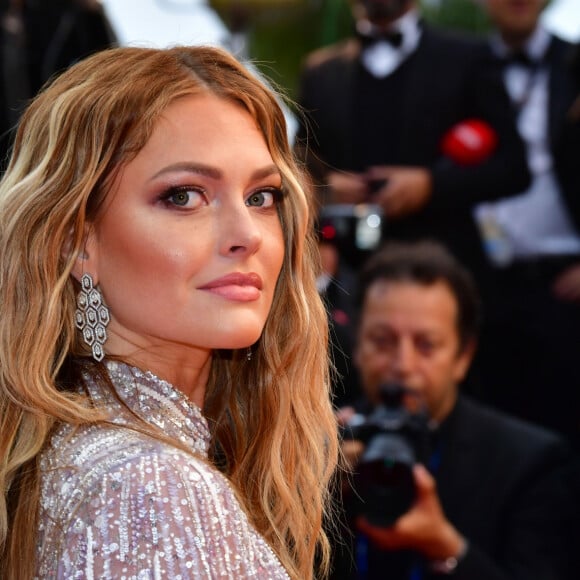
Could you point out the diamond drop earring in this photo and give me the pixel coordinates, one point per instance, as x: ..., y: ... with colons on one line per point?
x: 92, y: 316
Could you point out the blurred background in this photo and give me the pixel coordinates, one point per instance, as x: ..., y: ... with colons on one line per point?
x: 276, y: 34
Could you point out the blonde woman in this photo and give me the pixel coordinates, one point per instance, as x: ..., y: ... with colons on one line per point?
x: 164, y: 398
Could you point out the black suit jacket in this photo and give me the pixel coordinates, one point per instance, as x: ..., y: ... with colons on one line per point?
x: 563, y: 60
x: 512, y: 490
x: 449, y: 80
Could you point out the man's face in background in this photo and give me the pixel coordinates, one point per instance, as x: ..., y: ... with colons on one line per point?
x: 514, y: 17
x: 408, y: 335
x: 384, y: 11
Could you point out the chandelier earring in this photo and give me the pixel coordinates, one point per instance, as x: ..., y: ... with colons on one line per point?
x: 92, y: 317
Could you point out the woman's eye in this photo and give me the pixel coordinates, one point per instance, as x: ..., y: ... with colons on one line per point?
x: 264, y: 198
x: 183, y: 197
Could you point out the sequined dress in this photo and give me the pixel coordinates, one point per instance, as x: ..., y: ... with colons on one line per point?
x: 117, y: 504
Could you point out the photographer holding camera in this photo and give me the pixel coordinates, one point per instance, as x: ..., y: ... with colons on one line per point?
x: 493, y: 498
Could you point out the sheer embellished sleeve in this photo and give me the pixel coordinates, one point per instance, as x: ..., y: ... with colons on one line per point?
x: 158, y: 513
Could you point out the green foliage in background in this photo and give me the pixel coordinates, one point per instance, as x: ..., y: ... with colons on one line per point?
x: 456, y: 14
x: 279, y: 41
x: 280, y: 38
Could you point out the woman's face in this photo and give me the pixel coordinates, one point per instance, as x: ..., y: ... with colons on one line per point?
x: 188, y: 246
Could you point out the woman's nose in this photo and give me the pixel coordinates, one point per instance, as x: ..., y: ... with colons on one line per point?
x: 240, y: 232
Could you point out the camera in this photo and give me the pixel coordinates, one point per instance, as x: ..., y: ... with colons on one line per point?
x: 355, y: 229
x: 396, y: 439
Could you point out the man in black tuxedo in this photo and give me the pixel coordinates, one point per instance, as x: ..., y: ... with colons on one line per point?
x: 531, y: 344
x: 496, y: 498
x: 377, y: 109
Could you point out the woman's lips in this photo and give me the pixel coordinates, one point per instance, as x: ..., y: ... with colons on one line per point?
x: 236, y: 286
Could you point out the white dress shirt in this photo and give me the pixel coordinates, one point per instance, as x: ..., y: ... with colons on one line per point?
x: 536, y: 222
x: 382, y: 58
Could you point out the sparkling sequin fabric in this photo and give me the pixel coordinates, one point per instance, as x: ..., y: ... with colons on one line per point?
x: 117, y: 504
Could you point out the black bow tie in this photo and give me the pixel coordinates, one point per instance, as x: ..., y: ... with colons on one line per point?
x: 393, y: 37
x: 520, y: 58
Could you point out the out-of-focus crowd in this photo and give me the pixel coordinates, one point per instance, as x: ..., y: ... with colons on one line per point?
x: 436, y: 156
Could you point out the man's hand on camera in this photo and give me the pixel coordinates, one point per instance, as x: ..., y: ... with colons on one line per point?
x: 567, y: 284
x: 424, y: 528
x: 406, y: 189
x: 347, y: 187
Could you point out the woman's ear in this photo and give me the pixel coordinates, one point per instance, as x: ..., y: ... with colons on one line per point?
x: 85, y: 261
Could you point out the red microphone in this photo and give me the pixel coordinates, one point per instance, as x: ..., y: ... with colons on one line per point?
x: 469, y: 142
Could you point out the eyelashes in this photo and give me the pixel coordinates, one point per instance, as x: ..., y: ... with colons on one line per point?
x: 265, y: 197
x: 190, y: 197
x: 183, y: 196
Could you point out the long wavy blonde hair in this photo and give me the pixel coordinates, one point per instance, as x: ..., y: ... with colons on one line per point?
x: 275, y: 433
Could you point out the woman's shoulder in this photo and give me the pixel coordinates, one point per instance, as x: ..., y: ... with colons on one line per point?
x: 133, y: 498
x: 90, y: 458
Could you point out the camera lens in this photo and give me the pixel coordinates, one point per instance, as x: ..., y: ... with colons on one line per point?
x: 385, y: 479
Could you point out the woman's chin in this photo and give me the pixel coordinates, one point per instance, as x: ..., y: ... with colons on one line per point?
x: 245, y: 340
